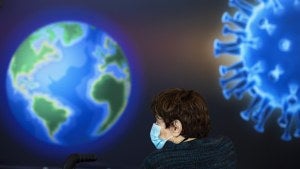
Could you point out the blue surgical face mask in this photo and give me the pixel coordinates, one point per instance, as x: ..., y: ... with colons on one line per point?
x: 154, y: 135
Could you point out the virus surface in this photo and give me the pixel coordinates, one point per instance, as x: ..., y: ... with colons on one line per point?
x: 265, y: 38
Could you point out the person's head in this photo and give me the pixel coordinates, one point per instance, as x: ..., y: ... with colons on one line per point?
x: 181, y: 113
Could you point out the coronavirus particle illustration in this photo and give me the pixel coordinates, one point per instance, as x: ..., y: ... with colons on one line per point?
x: 264, y: 37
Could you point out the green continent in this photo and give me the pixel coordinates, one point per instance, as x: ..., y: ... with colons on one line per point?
x: 71, y: 32
x: 50, y: 113
x: 26, y: 58
x: 117, y: 57
x: 113, y: 91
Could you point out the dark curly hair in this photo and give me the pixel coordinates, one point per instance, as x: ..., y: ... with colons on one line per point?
x: 187, y: 106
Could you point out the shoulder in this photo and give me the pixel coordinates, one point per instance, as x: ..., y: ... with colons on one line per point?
x: 223, y: 141
x: 220, y: 142
x: 219, y: 150
x: 217, y: 140
x: 152, y: 160
x: 219, y: 146
x: 156, y: 154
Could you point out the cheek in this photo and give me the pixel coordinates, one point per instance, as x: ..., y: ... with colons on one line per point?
x: 164, y: 133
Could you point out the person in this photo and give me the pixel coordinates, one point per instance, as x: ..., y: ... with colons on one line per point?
x: 180, y: 134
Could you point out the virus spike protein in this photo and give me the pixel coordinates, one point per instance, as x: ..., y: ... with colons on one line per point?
x: 264, y: 38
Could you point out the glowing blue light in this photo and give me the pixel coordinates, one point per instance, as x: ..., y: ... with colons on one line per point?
x: 264, y: 34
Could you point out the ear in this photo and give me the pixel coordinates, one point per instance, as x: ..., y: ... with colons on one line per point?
x: 176, y: 128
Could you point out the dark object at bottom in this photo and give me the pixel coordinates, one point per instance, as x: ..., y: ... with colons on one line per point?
x: 74, y: 159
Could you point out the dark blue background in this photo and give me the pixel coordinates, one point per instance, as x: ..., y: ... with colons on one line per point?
x: 169, y: 44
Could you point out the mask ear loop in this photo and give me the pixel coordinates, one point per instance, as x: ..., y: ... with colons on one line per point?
x: 170, y: 136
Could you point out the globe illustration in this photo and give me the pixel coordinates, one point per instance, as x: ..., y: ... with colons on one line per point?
x: 68, y: 83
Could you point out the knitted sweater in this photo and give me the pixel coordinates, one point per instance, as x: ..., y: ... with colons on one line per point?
x: 206, y: 153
